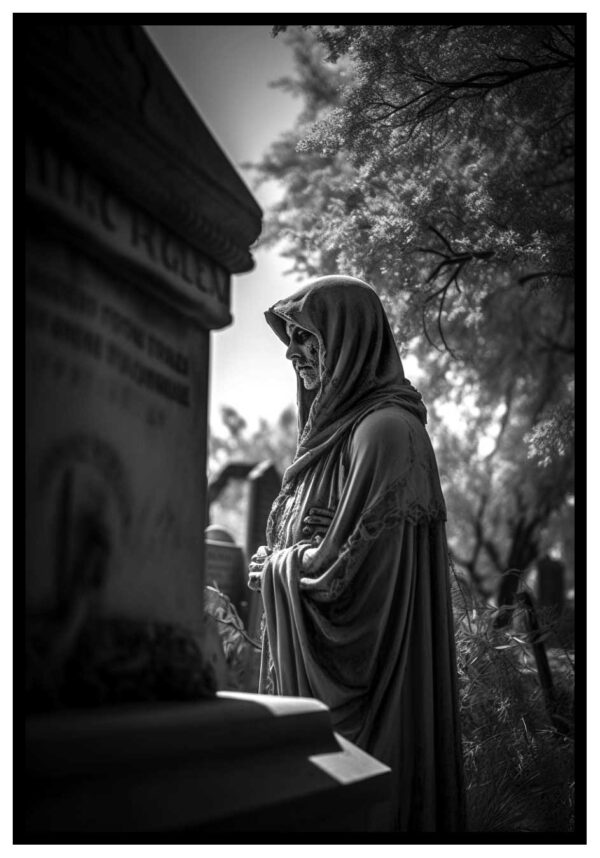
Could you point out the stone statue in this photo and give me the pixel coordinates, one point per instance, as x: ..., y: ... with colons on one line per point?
x: 354, y: 573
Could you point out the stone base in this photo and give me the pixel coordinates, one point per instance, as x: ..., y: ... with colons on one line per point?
x: 239, y: 762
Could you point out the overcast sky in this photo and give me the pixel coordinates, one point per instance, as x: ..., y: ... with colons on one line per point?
x: 225, y: 71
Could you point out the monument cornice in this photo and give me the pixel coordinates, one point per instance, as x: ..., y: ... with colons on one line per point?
x: 149, y: 139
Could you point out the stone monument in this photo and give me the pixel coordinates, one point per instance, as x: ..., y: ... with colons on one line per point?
x: 135, y: 223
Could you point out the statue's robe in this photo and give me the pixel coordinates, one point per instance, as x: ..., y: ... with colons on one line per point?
x: 366, y: 626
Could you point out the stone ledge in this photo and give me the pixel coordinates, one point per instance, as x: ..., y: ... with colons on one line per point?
x: 240, y: 762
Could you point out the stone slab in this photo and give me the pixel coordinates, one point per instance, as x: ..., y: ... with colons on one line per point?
x: 240, y: 762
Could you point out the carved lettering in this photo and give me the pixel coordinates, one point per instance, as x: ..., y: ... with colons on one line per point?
x: 169, y: 254
x: 61, y: 292
x: 85, y: 199
x: 107, y: 202
x: 123, y: 326
x: 77, y: 336
x: 167, y: 355
x: 185, y: 272
x: 73, y: 190
x: 81, y: 338
x: 142, y: 232
x: 146, y: 376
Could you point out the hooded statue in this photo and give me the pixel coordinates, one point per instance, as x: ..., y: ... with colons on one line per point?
x: 360, y: 617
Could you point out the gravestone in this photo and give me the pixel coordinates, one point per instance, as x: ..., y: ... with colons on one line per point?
x: 226, y: 567
x: 264, y: 482
x: 135, y: 223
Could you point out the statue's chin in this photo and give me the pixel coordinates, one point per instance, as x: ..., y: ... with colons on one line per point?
x: 310, y: 382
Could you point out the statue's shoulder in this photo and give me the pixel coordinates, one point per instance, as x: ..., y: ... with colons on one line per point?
x: 389, y: 427
x: 393, y: 443
x: 390, y: 418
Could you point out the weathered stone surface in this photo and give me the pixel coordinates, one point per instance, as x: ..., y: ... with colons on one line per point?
x: 135, y: 223
x: 241, y: 762
x: 103, y: 93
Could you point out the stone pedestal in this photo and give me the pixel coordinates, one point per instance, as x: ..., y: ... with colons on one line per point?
x: 240, y: 762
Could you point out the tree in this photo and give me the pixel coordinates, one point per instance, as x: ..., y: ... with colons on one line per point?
x: 437, y: 163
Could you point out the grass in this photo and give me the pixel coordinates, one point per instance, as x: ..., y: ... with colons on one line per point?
x: 518, y: 749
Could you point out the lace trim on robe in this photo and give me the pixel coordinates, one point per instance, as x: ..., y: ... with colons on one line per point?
x: 386, y: 514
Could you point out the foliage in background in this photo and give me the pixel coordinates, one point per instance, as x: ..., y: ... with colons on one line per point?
x: 437, y: 163
x: 241, y: 652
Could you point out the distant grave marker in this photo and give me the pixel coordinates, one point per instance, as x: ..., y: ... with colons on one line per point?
x: 226, y: 567
x: 264, y: 482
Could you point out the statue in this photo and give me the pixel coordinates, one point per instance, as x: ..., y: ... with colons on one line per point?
x: 354, y: 574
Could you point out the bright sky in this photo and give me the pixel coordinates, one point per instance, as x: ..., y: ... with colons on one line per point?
x: 226, y: 71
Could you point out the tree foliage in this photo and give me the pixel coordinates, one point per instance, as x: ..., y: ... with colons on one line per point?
x: 437, y: 163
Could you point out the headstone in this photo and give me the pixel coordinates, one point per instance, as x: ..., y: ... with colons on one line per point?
x: 135, y: 222
x: 226, y: 567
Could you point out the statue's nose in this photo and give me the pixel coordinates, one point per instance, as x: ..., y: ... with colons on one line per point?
x: 292, y: 350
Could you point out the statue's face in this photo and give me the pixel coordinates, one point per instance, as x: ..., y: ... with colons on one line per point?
x: 303, y: 351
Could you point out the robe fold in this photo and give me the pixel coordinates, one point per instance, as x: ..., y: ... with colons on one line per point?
x: 366, y: 625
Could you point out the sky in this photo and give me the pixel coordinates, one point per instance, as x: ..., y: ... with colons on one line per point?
x: 225, y: 71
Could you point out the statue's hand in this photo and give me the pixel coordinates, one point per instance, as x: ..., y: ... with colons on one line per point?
x: 316, y: 523
x: 257, y: 561
x: 307, y: 557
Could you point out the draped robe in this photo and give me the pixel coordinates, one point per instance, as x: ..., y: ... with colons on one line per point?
x: 366, y: 626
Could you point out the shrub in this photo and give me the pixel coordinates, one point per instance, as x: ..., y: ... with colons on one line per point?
x: 517, y: 741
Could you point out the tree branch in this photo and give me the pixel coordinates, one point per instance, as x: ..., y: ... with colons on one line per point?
x: 441, y: 237
x: 457, y: 261
x: 508, y: 399
x: 539, y: 274
x: 493, y: 554
x: 499, y: 78
x: 565, y: 35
